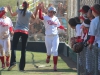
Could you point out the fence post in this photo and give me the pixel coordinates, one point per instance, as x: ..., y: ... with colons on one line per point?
x: 99, y: 1
x: 78, y: 14
x: 78, y: 69
x: 96, y: 60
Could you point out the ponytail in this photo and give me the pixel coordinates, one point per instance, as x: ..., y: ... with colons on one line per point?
x: 25, y: 6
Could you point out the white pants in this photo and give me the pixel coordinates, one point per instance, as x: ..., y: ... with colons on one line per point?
x: 5, y: 47
x: 52, y: 43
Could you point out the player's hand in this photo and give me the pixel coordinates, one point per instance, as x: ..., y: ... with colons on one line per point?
x: 9, y: 8
x: 90, y: 46
x: 40, y: 6
x: 12, y: 33
x: 87, y: 42
x: 5, y: 9
x: 65, y: 29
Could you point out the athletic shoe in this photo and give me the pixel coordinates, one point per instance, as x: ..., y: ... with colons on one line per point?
x: 55, y: 68
x: 12, y: 66
x: 3, y: 66
x: 21, y: 70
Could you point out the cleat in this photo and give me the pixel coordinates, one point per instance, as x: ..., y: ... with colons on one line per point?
x: 12, y: 66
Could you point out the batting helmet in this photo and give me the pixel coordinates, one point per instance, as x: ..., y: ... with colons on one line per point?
x: 52, y: 9
x: 2, y: 8
x: 78, y: 47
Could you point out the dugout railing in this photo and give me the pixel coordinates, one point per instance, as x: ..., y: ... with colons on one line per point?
x: 83, y: 58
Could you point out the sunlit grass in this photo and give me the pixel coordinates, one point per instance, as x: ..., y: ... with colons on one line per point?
x: 38, y: 60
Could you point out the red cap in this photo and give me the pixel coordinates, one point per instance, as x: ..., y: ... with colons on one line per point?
x: 93, y: 9
x: 81, y: 10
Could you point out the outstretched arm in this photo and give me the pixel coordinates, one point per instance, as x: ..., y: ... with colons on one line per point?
x: 33, y: 16
x: 40, y: 14
x: 11, y: 12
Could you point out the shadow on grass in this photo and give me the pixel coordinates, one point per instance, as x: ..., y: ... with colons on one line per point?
x: 44, y: 70
x: 50, y: 70
x: 71, y: 64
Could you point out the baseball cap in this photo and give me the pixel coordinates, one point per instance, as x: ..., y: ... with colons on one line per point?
x: 52, y: 9
x: 84, y: 9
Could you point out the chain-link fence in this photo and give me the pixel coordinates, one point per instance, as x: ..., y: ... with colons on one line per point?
x: 35, y: 36
x: 87, y: 60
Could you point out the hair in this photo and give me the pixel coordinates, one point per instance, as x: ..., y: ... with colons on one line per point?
x: 87, y: 21
x: 97, y: 8
x: 25, y: 6
x: 77, y: 19
x: 72, y: 22
x: 90, y: 10
x: 86, y: 8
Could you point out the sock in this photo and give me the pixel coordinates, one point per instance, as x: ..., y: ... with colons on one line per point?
x: 7, y: 58
x: 2, y: 59
x: 55, y: 59
x: 48, y: 56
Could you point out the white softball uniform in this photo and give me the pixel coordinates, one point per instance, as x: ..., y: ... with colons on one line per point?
x: 51, y: 32
x: 4, y: 32
x: 78, y: 30
x: 93, y: 30
x: 82, y: 53
x: 94, y: 27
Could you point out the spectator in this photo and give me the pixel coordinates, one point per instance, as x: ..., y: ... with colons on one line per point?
x: 60, y: 8
x: 38, y: 26
x: 21, y: 30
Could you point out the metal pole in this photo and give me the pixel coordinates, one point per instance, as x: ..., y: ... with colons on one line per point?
x: 99, y: 1
x: 78, y: 7
x: 96, y: 60
x: 78, y: 14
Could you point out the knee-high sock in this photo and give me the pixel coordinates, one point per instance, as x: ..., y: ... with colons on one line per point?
x: 48, y: 56
x: 7, y: 58
x: 55, y: 59
x: 2, y: 59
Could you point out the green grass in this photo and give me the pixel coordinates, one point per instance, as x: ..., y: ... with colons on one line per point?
x: 39, y: 59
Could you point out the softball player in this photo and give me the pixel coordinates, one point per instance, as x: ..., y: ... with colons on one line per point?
x: 94, y: 30
x: 5, y: 26
x: 51, y: 23
x: 88, y: 53
x: 84, y: 11
x: 75, y: 25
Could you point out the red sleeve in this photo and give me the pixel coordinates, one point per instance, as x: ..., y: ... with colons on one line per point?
x: 40, y: 14
x: 2, y: 13
x: 78, y: 39
x: 61, y: 27
x: 11, y: 29
x: 91, y: 40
